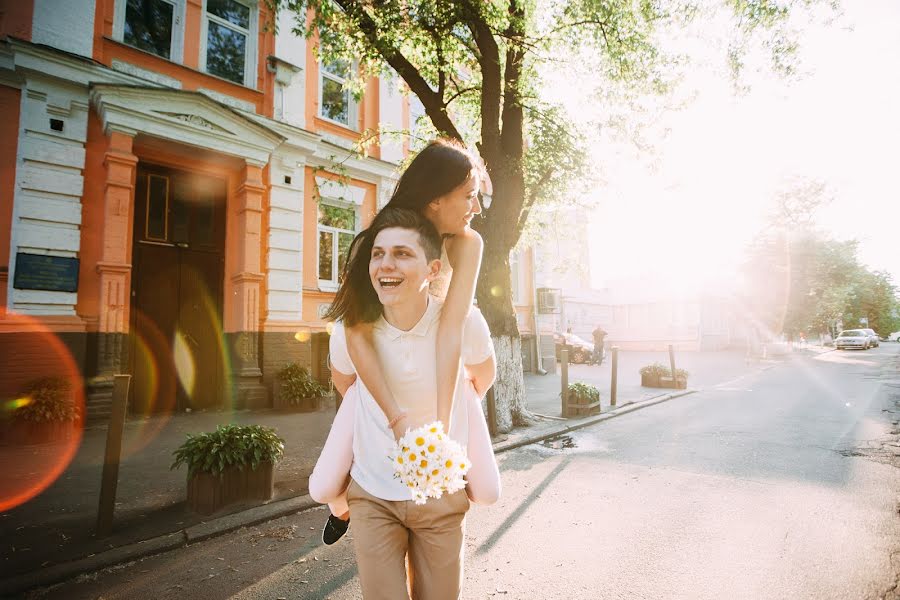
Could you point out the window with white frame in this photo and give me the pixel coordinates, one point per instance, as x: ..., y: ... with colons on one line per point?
x: 338, y: 223
x: 229, y: 40
x: 154, y: 26
x: 336, y: 103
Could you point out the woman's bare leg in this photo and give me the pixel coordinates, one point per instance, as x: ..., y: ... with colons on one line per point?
x: 483, y: 479
x: 331, y: 475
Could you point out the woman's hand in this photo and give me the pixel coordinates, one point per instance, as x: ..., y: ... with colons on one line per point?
x: 399, y: 429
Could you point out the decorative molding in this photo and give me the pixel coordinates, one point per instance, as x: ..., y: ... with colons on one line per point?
x: 247, y: 277
x: 191, y: 118
x: 227, y: 100
x: 136, y: 71
x: 108, y: 267
x: 195, y: 120
x: 339, y: 141
x: 49, y: 62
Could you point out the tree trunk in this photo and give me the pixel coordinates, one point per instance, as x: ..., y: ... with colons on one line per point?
x: 495, y: 302
x: 509, y: 389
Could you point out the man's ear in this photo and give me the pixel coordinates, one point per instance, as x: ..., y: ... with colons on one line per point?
x: 434, y: 269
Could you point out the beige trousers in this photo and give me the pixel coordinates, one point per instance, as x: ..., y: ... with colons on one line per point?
x: 432, y: 534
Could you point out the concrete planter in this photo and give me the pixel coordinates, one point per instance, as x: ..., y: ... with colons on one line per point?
x: 580, y: 405
x: 673, y: 383
x: 650, y: 380
x: 207, y: 492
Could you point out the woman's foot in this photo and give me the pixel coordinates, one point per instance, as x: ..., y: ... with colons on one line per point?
x: 335, y: 528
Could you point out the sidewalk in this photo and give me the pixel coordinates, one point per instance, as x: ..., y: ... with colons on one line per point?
x: 704, y: 369
x: 43, y: 537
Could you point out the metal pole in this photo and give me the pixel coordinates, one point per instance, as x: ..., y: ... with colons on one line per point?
x: 672, y: 359
x: 615, y: 376
x: 110, y: 478
x: 537, y: 324
x: 564, y: 368
x: 492, y: 412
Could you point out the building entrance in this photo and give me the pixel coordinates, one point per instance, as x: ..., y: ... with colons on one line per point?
x: 176, y: 298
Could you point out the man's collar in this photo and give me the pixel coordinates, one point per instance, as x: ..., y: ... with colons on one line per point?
x: 431, y: 314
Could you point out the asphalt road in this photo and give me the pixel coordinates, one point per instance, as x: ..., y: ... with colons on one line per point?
x: 782, y: 484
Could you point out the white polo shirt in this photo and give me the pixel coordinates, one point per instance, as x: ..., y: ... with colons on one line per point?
x: 409, y: 363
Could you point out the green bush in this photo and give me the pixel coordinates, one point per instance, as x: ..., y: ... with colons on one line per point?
x: 297, y: 384
x: 661, y: 370
x: 228, y: 446
x: 47, y: 400
x: 579, y: 388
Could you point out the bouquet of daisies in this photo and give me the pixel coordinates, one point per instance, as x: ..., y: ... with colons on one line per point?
x: 429, y: 463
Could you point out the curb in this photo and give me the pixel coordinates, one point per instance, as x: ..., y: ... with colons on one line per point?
x: 624, y: 409
x: 157, y: 545
x: 256, y: 515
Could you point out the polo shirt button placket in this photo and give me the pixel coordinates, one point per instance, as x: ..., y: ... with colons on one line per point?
x: 408, y: 366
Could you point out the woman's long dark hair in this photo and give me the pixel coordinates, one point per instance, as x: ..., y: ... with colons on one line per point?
x: 438, y: 169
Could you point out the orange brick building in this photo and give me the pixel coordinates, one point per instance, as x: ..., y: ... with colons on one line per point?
x: 168, y: 202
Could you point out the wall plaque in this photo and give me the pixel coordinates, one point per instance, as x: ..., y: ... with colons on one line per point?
x: 49, y: 273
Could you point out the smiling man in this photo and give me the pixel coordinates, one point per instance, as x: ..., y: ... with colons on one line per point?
x: 388, y: 526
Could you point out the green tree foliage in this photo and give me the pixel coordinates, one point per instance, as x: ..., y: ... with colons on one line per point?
x: 802, y: 281
x: 477, y: 65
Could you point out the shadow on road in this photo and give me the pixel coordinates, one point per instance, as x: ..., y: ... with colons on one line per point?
x: 507, y: 523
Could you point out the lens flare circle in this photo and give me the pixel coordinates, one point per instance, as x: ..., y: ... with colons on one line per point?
x: 29, y: 463
x: 185, y: 365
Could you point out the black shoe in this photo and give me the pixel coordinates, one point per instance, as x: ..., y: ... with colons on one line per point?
x: 334, y: 529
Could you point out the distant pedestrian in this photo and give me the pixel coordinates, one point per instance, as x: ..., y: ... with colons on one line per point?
x: 599, y: 339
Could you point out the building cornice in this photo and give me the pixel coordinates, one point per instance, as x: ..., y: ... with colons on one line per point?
x: 71, y: 68
x: 186, y: 117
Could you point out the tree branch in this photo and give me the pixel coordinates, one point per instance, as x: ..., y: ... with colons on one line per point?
x: 433, y: 103
x: 532, y: 198
x: 512, y: 136
x: 491, y: 90
x: 459, y: 93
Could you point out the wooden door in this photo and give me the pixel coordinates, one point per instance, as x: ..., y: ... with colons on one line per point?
x: 177, y: 345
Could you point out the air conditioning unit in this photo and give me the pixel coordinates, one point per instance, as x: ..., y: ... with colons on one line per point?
x: 548, y: 300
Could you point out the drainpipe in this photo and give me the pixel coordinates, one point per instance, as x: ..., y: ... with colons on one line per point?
x: 537, y: 330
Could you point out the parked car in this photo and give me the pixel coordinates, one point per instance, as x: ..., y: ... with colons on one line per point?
x: 580, y: 351
x: 853, y: 338
x: 873, y: 337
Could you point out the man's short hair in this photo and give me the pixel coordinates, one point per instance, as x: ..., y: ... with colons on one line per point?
x: 405, y: 218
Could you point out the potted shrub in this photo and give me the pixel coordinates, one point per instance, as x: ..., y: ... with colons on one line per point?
x: 650, y: 374
x: 296, y: 389
x: 45, y: 412
x: 586, y: 396
x: 659, y: 375
x: 678, y: 382
x: 234, y: 463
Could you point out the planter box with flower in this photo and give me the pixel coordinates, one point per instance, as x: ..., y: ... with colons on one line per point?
x: 583, y: 400
x: 659, y: 375
x: 234, y: 463
x: 295, y: 389
x: 45, y: 412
